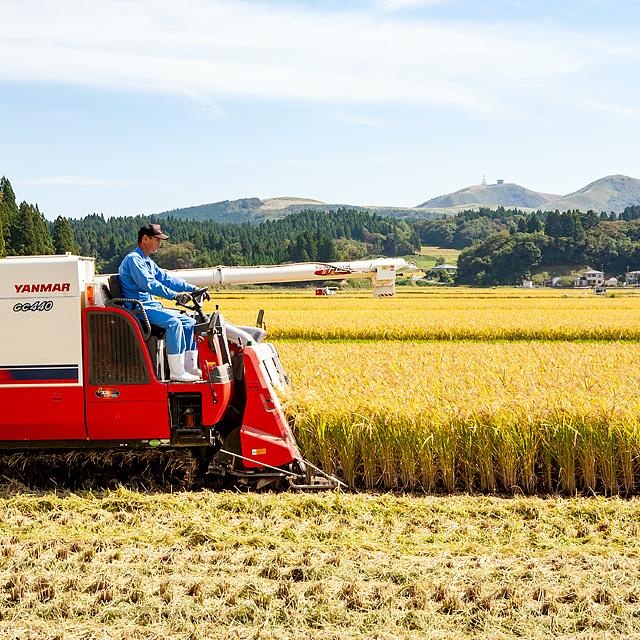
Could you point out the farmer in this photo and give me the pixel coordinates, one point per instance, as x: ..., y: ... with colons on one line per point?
x: 141, y: 279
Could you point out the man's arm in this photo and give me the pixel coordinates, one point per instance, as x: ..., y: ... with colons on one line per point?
x: 144, y: 276
x: 172, y: 282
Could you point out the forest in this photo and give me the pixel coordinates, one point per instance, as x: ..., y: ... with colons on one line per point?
x: 499, y: 246
x: 503, y: 246
x: 306, y: 236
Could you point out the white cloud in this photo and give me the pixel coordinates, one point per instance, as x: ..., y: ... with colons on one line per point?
x: 215, y: 49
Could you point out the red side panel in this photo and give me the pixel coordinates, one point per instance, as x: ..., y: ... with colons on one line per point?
x: 126, y: 411
x: 265, y: 435
x: 138, y: 412
x: 42, y: 413
x: 223, y: 393
x: 207, y: 358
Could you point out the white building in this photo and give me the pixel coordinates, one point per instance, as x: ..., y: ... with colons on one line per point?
x: 591, y: 278
x: 633, y: 277
x: 554, y: 281
x: 449, y: 268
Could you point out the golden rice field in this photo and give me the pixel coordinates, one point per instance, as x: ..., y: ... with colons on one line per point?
x: 510, y: 417
x: 440, y: 314
x: 507, y: 390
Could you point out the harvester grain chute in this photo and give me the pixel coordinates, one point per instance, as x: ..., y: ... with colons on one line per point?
x: 83, y: 371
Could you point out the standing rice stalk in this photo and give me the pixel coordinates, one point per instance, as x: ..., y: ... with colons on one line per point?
x: 470, y: 417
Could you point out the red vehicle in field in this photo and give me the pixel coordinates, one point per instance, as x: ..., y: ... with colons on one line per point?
x: 81, y: 368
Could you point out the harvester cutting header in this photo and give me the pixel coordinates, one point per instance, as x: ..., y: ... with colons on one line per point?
x: 81, y: 367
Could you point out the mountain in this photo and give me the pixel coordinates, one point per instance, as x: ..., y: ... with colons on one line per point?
x: 256, y: 210
x: 613, y: 193
x: 237, y: 211
x: 506, y: 194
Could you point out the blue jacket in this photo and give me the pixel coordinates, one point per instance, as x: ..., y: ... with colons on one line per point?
x: 141, y: 278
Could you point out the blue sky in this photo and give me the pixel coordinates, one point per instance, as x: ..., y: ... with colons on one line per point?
x: 127, y: 108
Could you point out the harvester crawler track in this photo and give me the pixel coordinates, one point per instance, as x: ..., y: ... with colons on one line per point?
x: 180, y: 469
x: 149, y: 470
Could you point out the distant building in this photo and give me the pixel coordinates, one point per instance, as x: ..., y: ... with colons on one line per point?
x: 500, y: 181
x: 527, y: 284
x: 450, y: 268
x: 611, y: 282
x: 554, y: 281
x: 591, y: 278
x: 633, y: 277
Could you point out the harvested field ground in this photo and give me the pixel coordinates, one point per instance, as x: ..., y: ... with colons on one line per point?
x: 206, y: 565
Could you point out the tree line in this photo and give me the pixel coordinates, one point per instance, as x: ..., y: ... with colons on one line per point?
x: 306, y: 236
x: 25, y: 231
x: 535, y: 241
x: 499, y: 246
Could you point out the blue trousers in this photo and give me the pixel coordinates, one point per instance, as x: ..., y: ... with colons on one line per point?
x: 179, y: 329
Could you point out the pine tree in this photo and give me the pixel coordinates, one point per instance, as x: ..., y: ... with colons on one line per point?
x: 533, y: 224
x: 578, y: 229
x: 522, y: 226
x: 2, y: 244
x: 327, y: 249
x: 23, y: 233
x: 44, y: 241
x: 298, y: 250
x: 552, y: 225
x: 567, y: 225
x: 63, y: 237
x: 310, y: 245
x: 8, y: 210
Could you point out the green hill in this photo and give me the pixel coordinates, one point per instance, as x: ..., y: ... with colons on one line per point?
x: 256, y: 210
x: 490, y: 195
x: 613, y: 193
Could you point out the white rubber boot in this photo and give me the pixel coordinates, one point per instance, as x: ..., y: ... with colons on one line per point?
x: 191, y: 363
x: 176, y: 369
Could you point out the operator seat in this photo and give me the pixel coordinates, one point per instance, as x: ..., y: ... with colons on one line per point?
x: 116, y: 298
x: 155, y: 342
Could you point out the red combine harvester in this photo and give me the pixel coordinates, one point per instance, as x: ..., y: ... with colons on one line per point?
x: 81, y: 368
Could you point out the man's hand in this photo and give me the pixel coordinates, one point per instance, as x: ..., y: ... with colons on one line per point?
x: 183, y: 299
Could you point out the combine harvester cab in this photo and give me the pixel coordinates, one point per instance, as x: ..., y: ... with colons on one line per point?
x: 81, y: 368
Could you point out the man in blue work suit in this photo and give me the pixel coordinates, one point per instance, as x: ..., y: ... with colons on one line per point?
x: 141, y: 279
